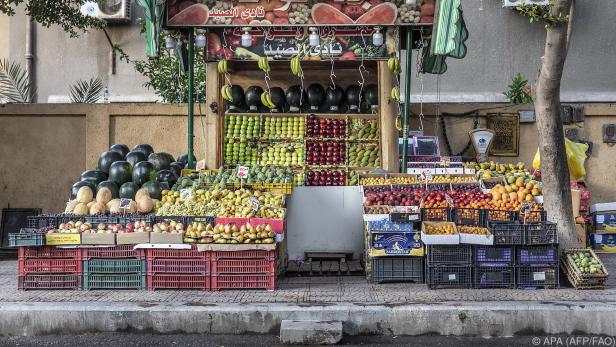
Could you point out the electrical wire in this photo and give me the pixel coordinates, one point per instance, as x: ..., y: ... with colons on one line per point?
x: 444, y: 131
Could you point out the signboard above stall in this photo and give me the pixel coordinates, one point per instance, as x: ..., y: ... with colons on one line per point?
x: 263, y: 13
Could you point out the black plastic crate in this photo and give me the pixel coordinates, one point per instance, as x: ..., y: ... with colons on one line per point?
x: 102, y: 219
x: 469, y: 216
x: 536, y: 255
x: 202, y: 219
x: 494, y: 277
x: 491, y: 216
x: 178, y: 219
x: 541, y: 233
x: 538, y: 276
x: 135, y: 217
x: 450, y: 254
x: 43, y: 221
x: 496, y: 256
x: 26, y: 239
x: 450, y: 276
x: 436, y: 214
x: 507, y: 233
x: 398, y: 269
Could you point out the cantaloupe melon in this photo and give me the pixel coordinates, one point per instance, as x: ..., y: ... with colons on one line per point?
x: 145, y: 204
x: 140, y: 193
x: 96, y: 208
x: 104, y: 195
x: 85, y: 195
x: 70, y: 206
x: 81, y: 209
x: 114, y: 206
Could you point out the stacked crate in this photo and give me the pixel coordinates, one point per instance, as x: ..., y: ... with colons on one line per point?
x: 118, y: 267
x: 494, y: 267
x: 178, y: 269
x: 537, y: 260
x: 449, y: 266
x: 250, y: 269
x: 49, y: 268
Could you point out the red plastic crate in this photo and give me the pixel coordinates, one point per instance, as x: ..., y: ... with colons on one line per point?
x: 237, y: 221
x: 175, y: 253
x: 265, y: 255
x: 243, y: 266
x: 199, y: 265
x: 46, y: 266
x: 47, y: 252
x: 55, y: 281
x: 177, y: 281
x: 276, y: 224
x: 252, y: 281
x: 116, y: 252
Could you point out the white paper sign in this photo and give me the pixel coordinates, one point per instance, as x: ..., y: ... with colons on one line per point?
x: 452, y: 277
x: 538, y: 276
x: 125, y: 203
x: 186, y: 194
x: 242, y: 172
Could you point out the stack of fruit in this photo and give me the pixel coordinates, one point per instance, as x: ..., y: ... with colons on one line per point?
x: 241, y: 151
x: 453, y: 179
x: 436, y: 199
x: 465, y: 229
x: 325, y: 128
x: 585, y: 262
x: 364, y: 155
x: 284, y: 127
x: 325, y: 153
x: 325, y: 178
x: 391, y: 197
x: 361, y: 129
x: 241, y: 126
x: 229, y: 234
x: 382, y: 180
x: 171, y: 227
x: 435, y: 228
x: 494, y: 169
x: 283, y: 154
x: 511, y: 197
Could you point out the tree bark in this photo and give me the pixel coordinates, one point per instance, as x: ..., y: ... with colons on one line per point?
x: 554, y: 168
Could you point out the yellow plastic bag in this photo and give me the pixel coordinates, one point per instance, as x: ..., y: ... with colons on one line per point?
x: 576, y: 156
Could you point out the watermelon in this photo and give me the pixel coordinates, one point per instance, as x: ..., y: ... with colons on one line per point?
x: 143, y: 172
x: 372, y: 95
x: 122, y: 149
x: 154, y: 189
x: 135, y: 157
x: 167, y: 157
x: 176, y: 168
x: 112, y: 186
x: 161, y: 161
x: 183, y: 159
x: 108, y: 158
x: 128, y: 190
x: 166, y: 176
x: 120, y: 172
x: 83, y: 183
x: 93, y: 176
x: 144, y: 148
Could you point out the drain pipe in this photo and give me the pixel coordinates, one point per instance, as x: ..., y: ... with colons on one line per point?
x: 29, y: 56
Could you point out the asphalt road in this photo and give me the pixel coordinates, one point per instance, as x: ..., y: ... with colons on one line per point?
x: 132, y: 340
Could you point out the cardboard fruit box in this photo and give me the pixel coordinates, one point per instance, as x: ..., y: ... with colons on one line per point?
x: 98, y: 239
x: 167, y: 238
x: 132, y: 238
x: 439, y: 239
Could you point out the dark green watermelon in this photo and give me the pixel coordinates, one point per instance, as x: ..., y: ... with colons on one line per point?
x: 144, y: 148
x: 166, y: 176
x: 161, y: 161
x: 183, y: 159
x: 84, y: 183
x: 128, y: 190
x: 111, y: 186
x: 135, y: 157
x: 120, y: 172
x: 108, y: 158
x: 167, y: 157
x: 176, y: 168
x: 372, y: 94
x: 120, y: 148
x: 94, y: 176
x: 143, y: 172
x: 154, y: 189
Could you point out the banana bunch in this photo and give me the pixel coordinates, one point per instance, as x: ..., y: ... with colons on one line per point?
x: 394, y: 65
x: 609, y: 228
x: 225, y: 91
x: 223, y: 66
x: 395, y: 93
x: 264, y: 64
x: 266, y: 100
x: 296, y: 66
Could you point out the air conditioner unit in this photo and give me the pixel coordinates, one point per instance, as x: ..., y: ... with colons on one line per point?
x: 116, y: 10
x: 515, y: 3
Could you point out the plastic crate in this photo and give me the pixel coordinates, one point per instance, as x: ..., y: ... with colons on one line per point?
x: 450, y: 276
x: 243, y: 266
x: 175, y: 253
x: 114, y: 281
x: 507, y: 233
x: 26, y: 239
x: 199, y: 265
x: 265, y: 255
x: 177, y: 281
x: 42, y: 221
x: 131, y: 218
x: 244, y: 281
x: 499, y: 216
x: 49, y: 252
x: 533, y: 216
x: 203, y: 219
x: 537, y: 255
x: 497, y: 256
x: 436, y: 214
x: 179, y: 219
x: 115, y: 252
x: 45, y: 266
x: 114, y: 266
x: 44, y: 281
x: 469, y: 216
x: 541, y: 233
x: 450, y: 254
x: 398, y: 269
x: 494, y: 277
x: 538, y: 277
x: 102, y: 219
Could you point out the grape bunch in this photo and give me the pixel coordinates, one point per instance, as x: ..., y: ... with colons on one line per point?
x: 300, y: 13
x: 409, y: 13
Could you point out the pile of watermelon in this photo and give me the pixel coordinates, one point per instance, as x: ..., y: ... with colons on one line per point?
x: 125, y: 171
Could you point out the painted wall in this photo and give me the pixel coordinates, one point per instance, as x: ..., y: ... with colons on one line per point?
x: 5, y: 34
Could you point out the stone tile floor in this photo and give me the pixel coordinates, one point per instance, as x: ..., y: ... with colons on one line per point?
x: 309, y: 290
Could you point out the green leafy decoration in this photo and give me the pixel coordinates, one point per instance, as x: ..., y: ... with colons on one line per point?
x: 536, y: 13
x: 519, y: 91
x: 87, y: 91
x: 15, y: 84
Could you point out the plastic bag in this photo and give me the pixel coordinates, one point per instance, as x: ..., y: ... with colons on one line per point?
x: 576, y: 156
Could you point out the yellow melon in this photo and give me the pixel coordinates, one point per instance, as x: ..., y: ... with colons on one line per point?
x: 84, y: 195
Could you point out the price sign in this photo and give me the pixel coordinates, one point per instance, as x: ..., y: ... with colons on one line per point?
x: 426, y: 175
x: 186, y: 194
x: 125, y: 203
x: 255, y: 203
x: 242, y: 172
x: 445, y: 161
x: 449, y: 199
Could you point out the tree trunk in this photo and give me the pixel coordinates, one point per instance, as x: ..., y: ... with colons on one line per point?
x: 554, y: 168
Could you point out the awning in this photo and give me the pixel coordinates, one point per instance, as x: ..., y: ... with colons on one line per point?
x: 448, y: 36
x: 153, y: 20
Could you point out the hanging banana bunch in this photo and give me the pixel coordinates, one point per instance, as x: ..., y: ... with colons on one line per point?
x: 296, y: 66
x: 264, y: 64
x: 266, y: 100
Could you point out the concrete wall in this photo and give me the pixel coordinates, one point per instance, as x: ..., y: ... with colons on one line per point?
x: 5, y: 34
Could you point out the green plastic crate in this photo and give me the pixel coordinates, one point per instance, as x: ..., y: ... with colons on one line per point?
x: 114, y: 266
x: 114, y: 281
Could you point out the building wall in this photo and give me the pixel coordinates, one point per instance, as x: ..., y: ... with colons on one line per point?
x: 4, y: 36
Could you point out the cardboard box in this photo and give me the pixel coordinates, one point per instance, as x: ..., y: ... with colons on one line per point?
x: 62, y: 239
x: 439, y: 239
x: 580, y: 231
x: 167, y: 238
x: 384, y: 243
x: 132, y: 238
x: 477, y: 239
x: 604, y: 221
x: 608, y: 206
x: 97, y: 239
x: 603, y: 242
x: 575, y: 201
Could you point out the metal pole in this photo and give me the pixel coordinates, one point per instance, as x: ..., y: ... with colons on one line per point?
x: 407, y: 98
x: 191, y: 92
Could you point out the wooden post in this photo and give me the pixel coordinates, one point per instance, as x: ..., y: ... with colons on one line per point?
x: 387, y: 113
x: 213, y: 133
